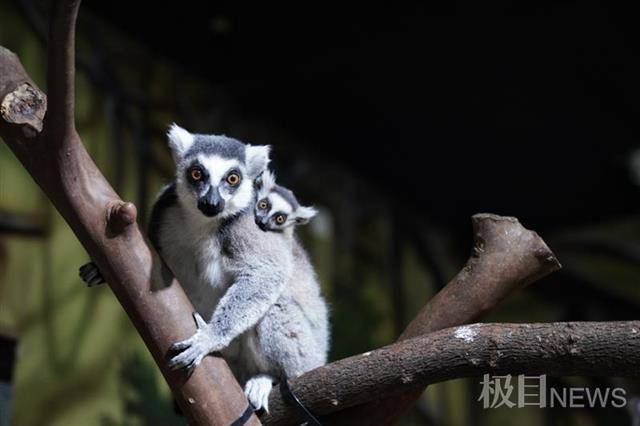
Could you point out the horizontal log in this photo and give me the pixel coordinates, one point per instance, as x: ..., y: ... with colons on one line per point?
x: 557, y: 349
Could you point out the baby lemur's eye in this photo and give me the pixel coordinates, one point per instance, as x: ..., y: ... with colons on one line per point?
x: 233, y: 179
x: 195, y: 174
x: 262, y: 205
x: 280, y: 219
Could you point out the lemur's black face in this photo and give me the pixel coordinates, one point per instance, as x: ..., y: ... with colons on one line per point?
x: 215, y: 186
x: 276, y: 208
x: 215, y: 173
x: 210, y: 199
x: 271, y: 214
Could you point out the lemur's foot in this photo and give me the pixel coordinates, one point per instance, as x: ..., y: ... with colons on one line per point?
x: 257, y: 390
x: 195, y: 348
x: 91, y: 275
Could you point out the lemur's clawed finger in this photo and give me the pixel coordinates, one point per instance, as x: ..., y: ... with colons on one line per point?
x: 179, y: 346
x: 192, y: 350
x: 200, y: 322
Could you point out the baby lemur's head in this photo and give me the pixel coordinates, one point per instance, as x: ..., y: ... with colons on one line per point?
x: 277, y: 209
x: 215, y: 174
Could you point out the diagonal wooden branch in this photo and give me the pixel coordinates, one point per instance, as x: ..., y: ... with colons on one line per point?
x: 505, y: 258
x: 557, y: 349
x: 54, y: 155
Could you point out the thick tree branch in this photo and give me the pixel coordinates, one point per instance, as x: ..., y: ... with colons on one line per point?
x: 104, y: 224
x: 505, y: 258
x: 558, y: 349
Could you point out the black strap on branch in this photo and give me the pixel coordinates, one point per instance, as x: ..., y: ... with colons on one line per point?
x: 242, y: 420
x: 292, y: 399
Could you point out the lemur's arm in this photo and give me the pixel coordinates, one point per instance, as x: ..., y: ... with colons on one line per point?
x: 255, y: 289
x: 244, y: 303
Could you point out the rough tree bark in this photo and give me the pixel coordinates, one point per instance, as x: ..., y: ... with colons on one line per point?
x: 46, y: 142
x: 557, y: 349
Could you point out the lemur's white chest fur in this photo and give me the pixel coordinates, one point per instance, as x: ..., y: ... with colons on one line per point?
x: 194, y: 255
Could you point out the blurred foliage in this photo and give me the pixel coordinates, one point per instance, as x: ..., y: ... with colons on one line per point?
x: 81, y: 362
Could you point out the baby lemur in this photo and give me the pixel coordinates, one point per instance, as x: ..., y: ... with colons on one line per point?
x: 257, y: 298
x: 276, y: 208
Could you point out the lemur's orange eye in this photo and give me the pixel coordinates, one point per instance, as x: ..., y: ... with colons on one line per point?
x: 196, y: 174
x: 233, y: 179
x: 280, y: 219
x: 262, y: 205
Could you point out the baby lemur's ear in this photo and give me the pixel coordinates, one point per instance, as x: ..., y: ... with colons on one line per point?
x: 257, y: 159
x: 304, y: 214
x: 179, y: 141
x: 265, y: 181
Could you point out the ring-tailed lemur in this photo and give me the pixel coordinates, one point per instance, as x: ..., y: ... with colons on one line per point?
x: 277, y: 208
x: 257, y: 290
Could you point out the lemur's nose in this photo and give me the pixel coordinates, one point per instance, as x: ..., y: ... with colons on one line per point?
x: 211, y: 203
x: 262, y: 223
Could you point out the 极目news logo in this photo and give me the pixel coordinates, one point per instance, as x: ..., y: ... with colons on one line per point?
x: 521, y: 391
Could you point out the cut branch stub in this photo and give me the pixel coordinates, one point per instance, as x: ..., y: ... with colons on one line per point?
x: 120, y: 215
x: 22, y: 103
x: 25, y: 105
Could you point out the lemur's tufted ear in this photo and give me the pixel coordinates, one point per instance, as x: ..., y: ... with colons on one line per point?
x: 257, y: 159
x: 179, y: 141
x: 265, y: 181
x: 304, y: 214
x: 268, y: 180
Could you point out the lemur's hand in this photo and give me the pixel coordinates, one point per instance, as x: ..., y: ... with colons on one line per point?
x: 196, y: 347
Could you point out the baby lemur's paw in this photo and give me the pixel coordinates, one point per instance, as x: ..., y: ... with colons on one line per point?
x: 257, y: 390
x: 91, y: 275
x: 195, y: 348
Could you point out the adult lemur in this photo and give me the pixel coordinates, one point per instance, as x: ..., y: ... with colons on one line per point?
x: 256, y: 290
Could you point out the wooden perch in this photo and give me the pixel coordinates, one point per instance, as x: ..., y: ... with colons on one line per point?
x: 557, y: 349
x: 45, y: 140
x: 505, y: 258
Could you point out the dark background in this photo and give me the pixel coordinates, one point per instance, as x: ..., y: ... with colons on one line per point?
x: 518, y: 109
